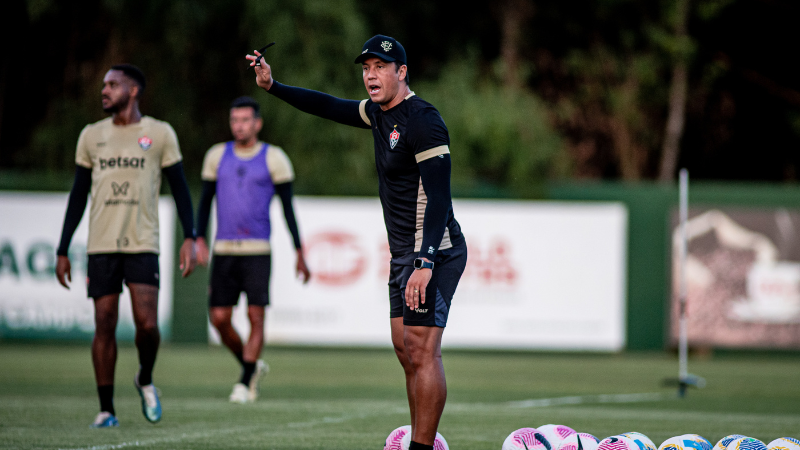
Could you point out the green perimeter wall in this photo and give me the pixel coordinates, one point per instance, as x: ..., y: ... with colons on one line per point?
x: 649, y: 207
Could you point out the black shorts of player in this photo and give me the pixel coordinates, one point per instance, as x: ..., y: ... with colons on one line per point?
x: 105, y: 272
x: 448, y: 266
x: 233, y: 274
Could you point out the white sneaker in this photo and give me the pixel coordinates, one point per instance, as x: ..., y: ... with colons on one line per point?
x: 240, y: 394
x: 261, y: 369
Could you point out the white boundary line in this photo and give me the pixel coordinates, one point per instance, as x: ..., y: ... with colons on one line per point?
x: 584, y: 399
x: 533, y: 403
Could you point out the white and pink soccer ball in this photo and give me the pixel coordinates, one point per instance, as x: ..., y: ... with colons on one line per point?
x: 525, y: 438
x: 394, y: 438
x: 555, y: 434
x: 784, y: 443
x: 588, y: 442
x: 617, y: 443
x: 438, y: 444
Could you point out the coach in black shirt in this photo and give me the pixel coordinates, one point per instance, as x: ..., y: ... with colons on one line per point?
x: 429, y: 253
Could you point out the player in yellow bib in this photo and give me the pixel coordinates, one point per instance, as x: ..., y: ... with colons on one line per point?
x: 119, y: 162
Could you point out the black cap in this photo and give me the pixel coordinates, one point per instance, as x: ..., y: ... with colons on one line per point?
x: 383, y: 47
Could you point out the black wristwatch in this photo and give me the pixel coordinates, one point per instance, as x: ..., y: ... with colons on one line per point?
x: 420, y: 263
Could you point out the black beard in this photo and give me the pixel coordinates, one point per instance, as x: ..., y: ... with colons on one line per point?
x: 111, y: 109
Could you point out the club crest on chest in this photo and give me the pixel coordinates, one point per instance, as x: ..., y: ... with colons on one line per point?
x: 393, y: 138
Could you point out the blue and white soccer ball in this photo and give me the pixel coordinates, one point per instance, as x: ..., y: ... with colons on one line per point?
x: 784, y: 443
x: 525, y: 438
x: 746, y: 443
x: 555, y: 434
x: 696, y: 441
x: 722, y: 444
x: 588, y: 442
x: 642, y: 441
x: 394, y: 438
x: 438, y: 444
x: 686, y: 442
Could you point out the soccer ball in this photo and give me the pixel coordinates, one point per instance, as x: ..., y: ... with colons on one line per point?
x: 617, y: 443
x: 525, y: 438
x: 722, y: 444
x: 746, y: 443
x: 438, y: 443
x: 393, y: 441
x: 588, y: 442
x: 696, y: 441
x: 642, y: 441
x: 555, y: 434
x: 687, y: 442
x: 784, y: 443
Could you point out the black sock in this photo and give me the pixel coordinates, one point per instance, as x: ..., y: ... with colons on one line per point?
x: 145, y: 375
x: 418, y: 446
x: 248, y: 368
x: 239, y: 357
x: 106, y: 394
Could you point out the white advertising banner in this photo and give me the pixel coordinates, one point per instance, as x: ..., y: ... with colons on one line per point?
x: 32, y: 302
x: 540, y: 275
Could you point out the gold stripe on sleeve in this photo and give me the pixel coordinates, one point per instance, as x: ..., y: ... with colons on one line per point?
x: 362, y: 109
x: 435, y: 151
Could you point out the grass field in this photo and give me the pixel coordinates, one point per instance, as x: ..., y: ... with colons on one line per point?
x: 351, y: 399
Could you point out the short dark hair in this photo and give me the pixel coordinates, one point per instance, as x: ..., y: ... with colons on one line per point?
x: 134, y: 73
x: 247, y: 102
x: 397, y: 65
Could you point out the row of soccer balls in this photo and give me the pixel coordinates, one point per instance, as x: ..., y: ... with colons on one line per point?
x: 562, y: 437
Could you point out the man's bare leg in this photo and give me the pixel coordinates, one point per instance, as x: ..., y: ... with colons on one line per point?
x: 220, y: 317
x: 255, y: 343
x: 423, y: 346
x: 402, y: 356
x: 104, y: 348
x: 144, y: 302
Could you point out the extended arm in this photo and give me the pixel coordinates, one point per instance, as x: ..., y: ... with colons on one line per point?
x: 183, y: 203
x: 284, y: 191
x: 75, y: 207
x: 320, y: 104
x: 323, y: 105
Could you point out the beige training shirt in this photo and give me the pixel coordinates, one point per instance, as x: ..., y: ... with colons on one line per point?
x: 126, y: 163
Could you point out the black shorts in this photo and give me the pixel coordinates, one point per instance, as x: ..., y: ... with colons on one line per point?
x: 448, y: 267
x: 233, y: 274
x: 105, y: 272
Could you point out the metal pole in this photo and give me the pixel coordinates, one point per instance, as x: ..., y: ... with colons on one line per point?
x: 683, y: 355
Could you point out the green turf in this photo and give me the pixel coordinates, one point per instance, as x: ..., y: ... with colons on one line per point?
x: 352, y: 399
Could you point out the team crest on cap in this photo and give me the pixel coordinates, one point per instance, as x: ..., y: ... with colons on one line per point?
x: 386, y: 45
x: 145, y: 142
x: 393, y: 138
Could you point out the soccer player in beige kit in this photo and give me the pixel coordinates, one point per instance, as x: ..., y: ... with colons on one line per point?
x: 120, y: 159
